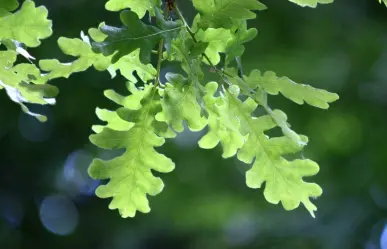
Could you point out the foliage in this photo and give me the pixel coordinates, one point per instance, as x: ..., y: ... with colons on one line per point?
x: 155, y: 111
x: 23, y: 82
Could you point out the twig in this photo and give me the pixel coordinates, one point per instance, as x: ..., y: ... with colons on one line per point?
x: 160, y: 52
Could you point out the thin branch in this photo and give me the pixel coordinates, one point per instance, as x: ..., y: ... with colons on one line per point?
x: 192, y: 34
x: 160, y: 52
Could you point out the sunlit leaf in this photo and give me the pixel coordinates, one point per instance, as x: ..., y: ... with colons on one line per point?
x: 130, y: 176
x: 28, y: 25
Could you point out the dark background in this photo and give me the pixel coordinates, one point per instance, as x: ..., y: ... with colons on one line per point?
x: 47, y: 201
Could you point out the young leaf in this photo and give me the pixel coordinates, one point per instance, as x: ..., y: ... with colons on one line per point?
x: 298, y: 93
x: 223, y: 13
x: 224, y: 126
x: 28, y: 25
x: 130, y: 174
x: 310, y: 3
x: 137, y: 6
x: 283, y: 178
x: 180, y: 103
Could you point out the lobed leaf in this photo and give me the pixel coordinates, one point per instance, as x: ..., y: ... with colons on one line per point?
x: 180, y: 103
x: 127, y: 64
x: 223, y: 123
x: 23, y: 84
x: 283, y: 178
x: 298, y: 93
x: 216, y: 40
x: 77, y: 48
x: 239, y: 35
x: 223, y: 13
x: 131, y: 179
x: 311, y: 3
x: 135, y: 35
x: 28, y: 25
x: 138, y: 7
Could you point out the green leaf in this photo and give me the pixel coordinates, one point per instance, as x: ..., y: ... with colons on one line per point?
x: 180, y: 102
x: 240, y: 35
x: 311, y: 3
x: 283, y: 178
x: 9, y: 5
x: 223, y: 13
x: 130, y: 174
x: 28, y: 25
x: 224, y: 126
x: 298, y: 93
x: 384, y: 1
x: 139, y: 7
x: 127, y: 64
x: 123, y: 41
x: 24, y: 85
x: 130, y: 63
x: 217, y: 41
x: 77, y: 48
x: 173, y: 27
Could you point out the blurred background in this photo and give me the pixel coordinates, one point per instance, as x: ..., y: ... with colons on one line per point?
x: 47, y: 200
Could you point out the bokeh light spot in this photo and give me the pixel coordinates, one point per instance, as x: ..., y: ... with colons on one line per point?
x: 383, y: 238
x: 59, y: 215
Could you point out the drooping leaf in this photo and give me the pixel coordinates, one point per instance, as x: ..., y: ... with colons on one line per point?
x: 28, y: 25
x: 138, y: 7
x: 310, y: 3
x: 131, y: 179
x: 180, y: 102
x: 123, y: 41
x: 384, y: 1
x: 223, y: 123
x: 24, y: 85
x: 298, y: 93
x: 222, y: 13
x: 283, y: 178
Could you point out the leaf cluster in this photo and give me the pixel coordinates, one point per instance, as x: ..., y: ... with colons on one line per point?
x: 154, y: 111
x: 154, y: 34
x: 21, y: 28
